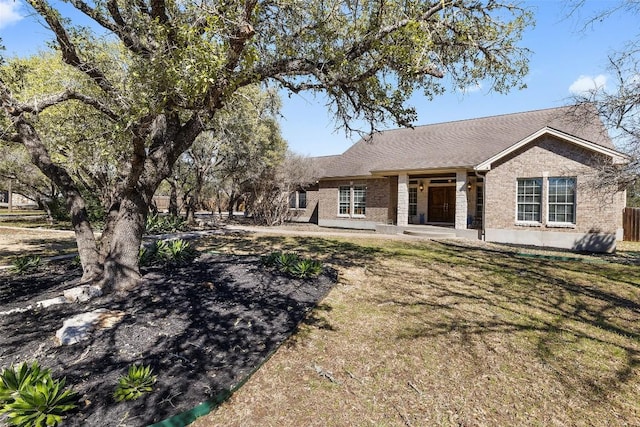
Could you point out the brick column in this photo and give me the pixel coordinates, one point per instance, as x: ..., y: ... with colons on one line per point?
x: 403, y: 200
x: 461, y: 199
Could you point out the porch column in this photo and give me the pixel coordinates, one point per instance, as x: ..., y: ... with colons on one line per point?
x: 403, y: 200
x: 461, y: 199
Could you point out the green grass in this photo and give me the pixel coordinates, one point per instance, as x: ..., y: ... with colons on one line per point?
x: 453, y: 333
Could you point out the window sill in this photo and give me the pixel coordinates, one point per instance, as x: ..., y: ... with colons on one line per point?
x: 560, y: 225
x: 528, y: 224
x: 297, y: 209
x: 351, y: 216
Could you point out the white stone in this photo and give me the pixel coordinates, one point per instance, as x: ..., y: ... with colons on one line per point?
x: 51, y: 301
x: 79, y: 327
x: 82, y: 293
x: 16, y: 310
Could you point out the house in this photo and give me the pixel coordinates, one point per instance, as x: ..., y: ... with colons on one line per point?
x: 524, y: 178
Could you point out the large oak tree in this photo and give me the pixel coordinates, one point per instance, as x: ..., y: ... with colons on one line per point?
x: 158, y: 70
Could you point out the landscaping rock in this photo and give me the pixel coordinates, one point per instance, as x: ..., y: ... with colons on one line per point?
x: 82, y: 293
x: 51, y: 301
x: 79, y: 327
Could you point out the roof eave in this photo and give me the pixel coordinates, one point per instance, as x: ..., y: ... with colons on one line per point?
x: 415, y: 171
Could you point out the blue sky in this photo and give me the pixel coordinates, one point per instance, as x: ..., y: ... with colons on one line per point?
x: 566, y: 57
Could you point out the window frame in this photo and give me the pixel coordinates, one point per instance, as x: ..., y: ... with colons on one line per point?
x: 294, y: 200
x: 524, y: 203
x: 413, y: 201
x: 344, y: 200
x: 347, y: 203
x: 572, y: 203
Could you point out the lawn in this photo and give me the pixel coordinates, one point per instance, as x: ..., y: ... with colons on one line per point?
x: 46, y: 243
x: 452, y: 333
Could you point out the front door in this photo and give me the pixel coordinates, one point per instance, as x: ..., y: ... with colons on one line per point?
x: 442, y: 204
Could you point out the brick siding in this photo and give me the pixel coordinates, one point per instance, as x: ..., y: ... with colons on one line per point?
x: 596, y: 211
x: 377, y: 203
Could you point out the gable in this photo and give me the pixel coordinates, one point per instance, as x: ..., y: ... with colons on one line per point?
x: 616, y: 157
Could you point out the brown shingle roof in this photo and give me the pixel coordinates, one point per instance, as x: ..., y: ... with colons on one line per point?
x: 458, y: 144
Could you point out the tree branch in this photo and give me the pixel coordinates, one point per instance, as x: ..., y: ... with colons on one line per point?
x: 68, y: 49
x: 41, y: 105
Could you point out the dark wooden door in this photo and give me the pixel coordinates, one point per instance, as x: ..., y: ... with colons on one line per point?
x: 442, y: 204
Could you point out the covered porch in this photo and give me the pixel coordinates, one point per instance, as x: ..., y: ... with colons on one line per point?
x: 448, y: 199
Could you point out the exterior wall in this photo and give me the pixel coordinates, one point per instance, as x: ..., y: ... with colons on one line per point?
x: 598, y: 215
x: 309, y: 214
x: 376, y: 209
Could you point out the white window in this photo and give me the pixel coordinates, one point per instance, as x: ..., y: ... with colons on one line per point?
x: 359, y: 200
x: 529, y: 199
x: 344, y: 201
x: 352, y: 200
x: 562, y: 200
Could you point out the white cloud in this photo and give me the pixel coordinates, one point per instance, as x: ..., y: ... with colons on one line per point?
x: 585, y: 84
x: 9, y: 12
x: 473, y: 88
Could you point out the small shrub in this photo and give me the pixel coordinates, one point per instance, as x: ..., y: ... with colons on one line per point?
x: 172, y: 252
x: 31, y: 397
x: 306, y: 268
x: 285, y: 261
x: 290, y: 263
x: 180, y: 252
x: 26, y: 263
x: 270, y: 259
x: 146, y: 256
x: 135, y: 383
x: 13, y: 380
x: 157, y: 224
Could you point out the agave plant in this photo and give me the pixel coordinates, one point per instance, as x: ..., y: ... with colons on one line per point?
x: 270, y: 259
x: 181, y: 251
x: 164, y: 224
x: 13, y: 380
x: 306, y: 268
x: 42, y: 404
x: 139, y: 380
x: 26, y: 263
x: 285, y: 261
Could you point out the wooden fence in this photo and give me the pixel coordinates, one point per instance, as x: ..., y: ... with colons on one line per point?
x: 631, y: 224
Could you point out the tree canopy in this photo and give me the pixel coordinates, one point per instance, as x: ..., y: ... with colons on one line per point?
x: 157, y: 71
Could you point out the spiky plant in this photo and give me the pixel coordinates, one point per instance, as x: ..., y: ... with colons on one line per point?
x: 25, y: 264
x: 135, y: 383
x: 285, y: 261
x: 13, y: 380
x: 43, y: 404
x: 306, y: 268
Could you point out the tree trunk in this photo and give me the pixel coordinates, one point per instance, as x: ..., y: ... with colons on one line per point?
x: 232, y: 202
x: 173, y: 198
x: 121, y: 271
x: 107, y: 233
x: 194, y: 200
x: 87, y: 247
